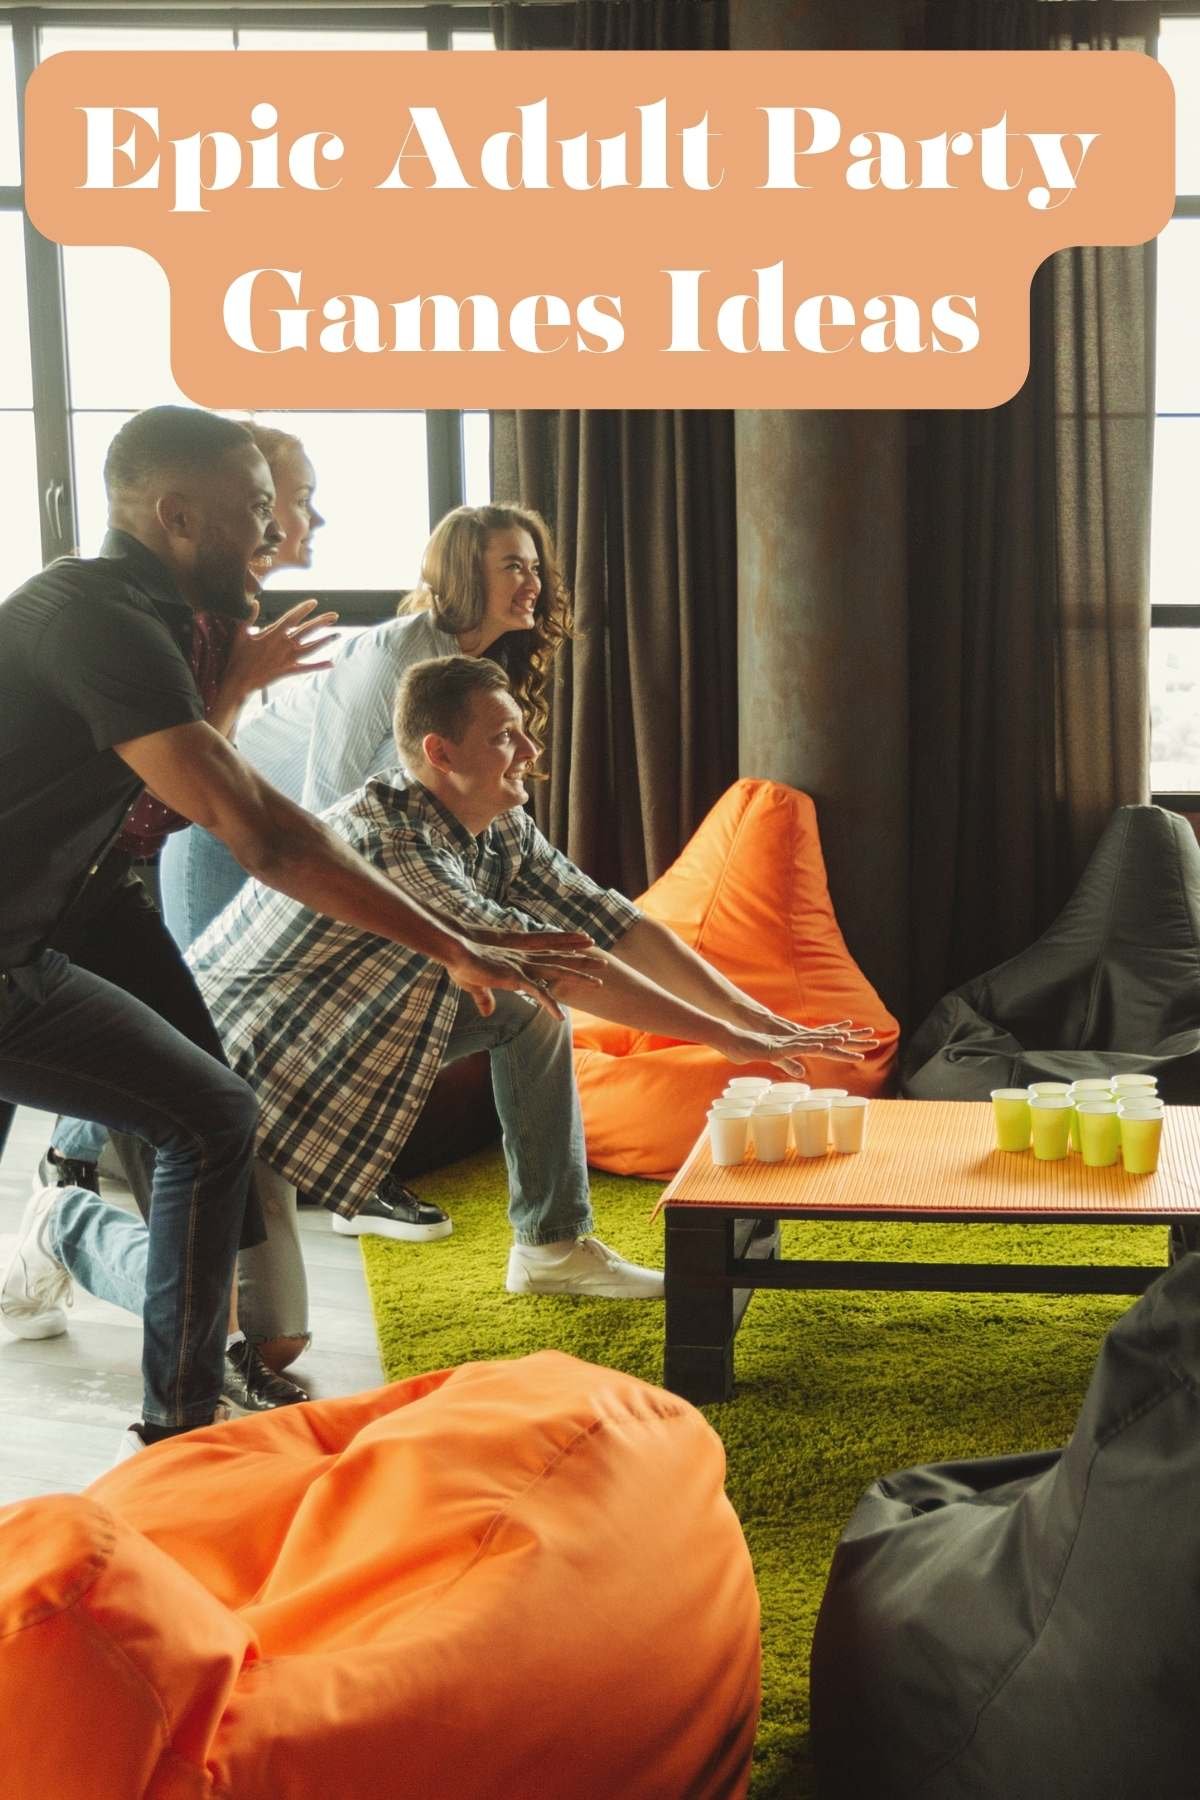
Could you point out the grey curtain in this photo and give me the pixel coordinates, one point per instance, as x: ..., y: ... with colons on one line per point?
x: 643, y: 734
x: 1028, y: 578
x: 612, y: 25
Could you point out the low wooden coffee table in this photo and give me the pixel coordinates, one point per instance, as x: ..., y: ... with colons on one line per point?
x: 931, y: 1160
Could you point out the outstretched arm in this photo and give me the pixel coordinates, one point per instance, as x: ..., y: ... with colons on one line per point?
x: 651, y: 950
x: 630, y: 998
x: 193, y: 770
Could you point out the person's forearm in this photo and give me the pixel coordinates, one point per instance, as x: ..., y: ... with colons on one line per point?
x: 630, y: 998
x: 302, y: 858
x: 652, y: 951
x: 226, y: 709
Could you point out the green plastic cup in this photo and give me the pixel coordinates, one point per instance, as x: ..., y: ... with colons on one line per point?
x: 1129, y: 1087
x: 1050, y: 1126
x: 1099, y: 1132
x: 1141, y: 1135
x: 1037, y: 1089
x: 1093, y: 1088
x: 1011, y: 1109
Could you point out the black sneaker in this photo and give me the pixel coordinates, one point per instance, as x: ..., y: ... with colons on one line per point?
x: 394, y: 1211
x: 68, y: 1172
x: 251, y: 1386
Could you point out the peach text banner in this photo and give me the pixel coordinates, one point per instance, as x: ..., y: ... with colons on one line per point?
x: 627, y: 230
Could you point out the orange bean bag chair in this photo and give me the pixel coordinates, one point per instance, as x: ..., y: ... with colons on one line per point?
x: 749, y: 894
x: 504, y: 1580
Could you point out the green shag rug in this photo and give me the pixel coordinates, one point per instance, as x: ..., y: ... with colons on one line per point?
x: 832, y: 1388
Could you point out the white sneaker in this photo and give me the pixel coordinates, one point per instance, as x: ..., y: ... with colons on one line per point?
x: 131, y: 1442
x: 586, y: 1267
x: 35, y: 1285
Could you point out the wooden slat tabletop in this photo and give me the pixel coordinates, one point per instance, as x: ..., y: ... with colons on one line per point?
x: 937, y: 1159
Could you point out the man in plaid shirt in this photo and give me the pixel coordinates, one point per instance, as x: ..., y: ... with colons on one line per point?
x: 341, y: 1034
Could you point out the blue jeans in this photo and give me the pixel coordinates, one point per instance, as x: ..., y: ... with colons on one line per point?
x: 80, y: 1139
x: 197, y: 878
x: 125, y: 943
x: 72, y: 1042
x: 533, y: 1079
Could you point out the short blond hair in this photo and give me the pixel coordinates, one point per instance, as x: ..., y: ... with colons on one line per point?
x: 435, y: 697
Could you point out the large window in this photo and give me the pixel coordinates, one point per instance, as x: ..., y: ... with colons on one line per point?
x: 1175, y: 599
x: 84, y: 333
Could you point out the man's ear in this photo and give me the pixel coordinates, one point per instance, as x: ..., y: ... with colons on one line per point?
x: 176, y: 514
x: 436, y: 751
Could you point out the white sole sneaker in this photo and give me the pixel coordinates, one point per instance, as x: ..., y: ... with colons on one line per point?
x: 49, y: 1324
x: 131, y: 1442
x: 34, y: 1281
x: 389, y: 1228
x: 589, y: 1271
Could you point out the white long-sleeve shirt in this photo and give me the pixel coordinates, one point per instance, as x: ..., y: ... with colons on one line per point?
x: 321, y: 736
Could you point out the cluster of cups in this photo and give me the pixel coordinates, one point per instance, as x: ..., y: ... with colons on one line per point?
x: 1104, y: 1119
x: 771, y: 1115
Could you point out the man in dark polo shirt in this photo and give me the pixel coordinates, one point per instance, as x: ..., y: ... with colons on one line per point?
x: 97, y: 699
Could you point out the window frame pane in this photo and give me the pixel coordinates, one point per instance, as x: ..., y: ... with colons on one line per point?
x: 54, y: 413
x: 1170, y: 615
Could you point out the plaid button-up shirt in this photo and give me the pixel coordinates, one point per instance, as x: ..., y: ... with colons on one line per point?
x: 341, y: 1033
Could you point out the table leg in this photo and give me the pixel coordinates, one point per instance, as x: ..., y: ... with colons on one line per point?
x: 703, y: 1309
x: 1184, y: 1237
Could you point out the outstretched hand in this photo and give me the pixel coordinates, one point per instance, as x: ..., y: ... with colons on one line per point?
x: 260, y: 656
x: 524, y: 970
x: 842, y: 1040
x: 785, y: 1044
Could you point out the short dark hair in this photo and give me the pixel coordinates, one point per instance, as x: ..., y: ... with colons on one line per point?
x: 435, y: 696
x: 179, y: 439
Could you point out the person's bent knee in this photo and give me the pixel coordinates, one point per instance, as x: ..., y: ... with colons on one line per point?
x: 279, y: 1353
x: 227, y: 1115
x: 240, y: 1105
x: 515, y: 1016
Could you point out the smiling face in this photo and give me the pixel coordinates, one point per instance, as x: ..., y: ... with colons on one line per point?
x: 512, y: 581
x: 232, y: 509
x: 295, y: 513
x: 485, y: 767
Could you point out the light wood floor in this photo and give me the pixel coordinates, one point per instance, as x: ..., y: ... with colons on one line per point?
x: 64, y: 1402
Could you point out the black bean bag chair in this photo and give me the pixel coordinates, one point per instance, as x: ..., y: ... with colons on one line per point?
x: 1028, y: 1627
x: 1113, y: 984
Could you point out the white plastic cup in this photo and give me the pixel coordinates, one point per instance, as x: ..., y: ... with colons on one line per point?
x: 810, y: 1124
x: 738, y: 1108
x: 788, y: 1090
x: 753, y: 1085
x: 728, y: 1136
x: 829, y: 1093
x: 769, y: 1128
x: 848, y: 1123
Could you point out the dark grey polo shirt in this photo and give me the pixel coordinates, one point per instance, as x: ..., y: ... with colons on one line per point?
x: 92, y: 653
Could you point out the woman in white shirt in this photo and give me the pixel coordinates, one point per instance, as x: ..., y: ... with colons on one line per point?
x: 489, y: 586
